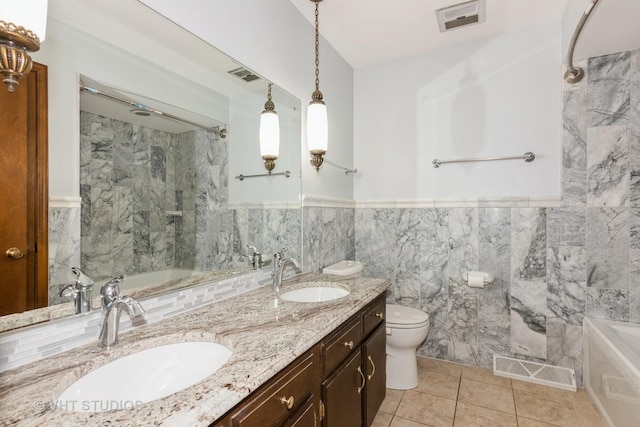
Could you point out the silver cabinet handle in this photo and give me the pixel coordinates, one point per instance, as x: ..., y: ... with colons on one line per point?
x: 349, y: 344
x: 373, y: 365
x: 363, y: 380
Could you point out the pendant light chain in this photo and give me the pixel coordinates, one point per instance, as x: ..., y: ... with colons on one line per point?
x: 269, y: 92
x: 317, y: 49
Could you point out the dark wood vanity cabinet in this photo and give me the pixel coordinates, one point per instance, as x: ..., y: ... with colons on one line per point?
x: 288, y: 399
x: 339, y: 382
x: 353, y: 391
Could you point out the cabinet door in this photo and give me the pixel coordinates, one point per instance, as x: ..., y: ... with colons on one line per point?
x: 374, y: 354
x: 342, y: 394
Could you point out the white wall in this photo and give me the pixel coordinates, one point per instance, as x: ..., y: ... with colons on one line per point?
x: 275, y: 40
x: 492, y: 97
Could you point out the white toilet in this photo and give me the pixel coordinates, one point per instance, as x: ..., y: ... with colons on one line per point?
x: 407, y: 328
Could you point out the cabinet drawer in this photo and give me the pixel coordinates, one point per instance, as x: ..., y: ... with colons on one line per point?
x: 336, y: 349
x: 374, y: 315
x: 306, y: 416
x: 270, y: 406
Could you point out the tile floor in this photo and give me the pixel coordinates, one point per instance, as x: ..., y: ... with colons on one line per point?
x: 450, y: 394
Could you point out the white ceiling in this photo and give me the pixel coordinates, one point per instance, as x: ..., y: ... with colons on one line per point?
x: 366, y: 32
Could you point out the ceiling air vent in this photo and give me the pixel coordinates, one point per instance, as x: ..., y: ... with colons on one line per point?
x: 244, y: 74
x: 461, y: 15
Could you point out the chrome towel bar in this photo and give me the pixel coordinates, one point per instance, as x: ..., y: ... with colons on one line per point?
x: 527, y: 157
x: 242, y: 177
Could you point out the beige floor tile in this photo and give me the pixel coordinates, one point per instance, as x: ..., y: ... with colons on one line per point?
x: 525, y: 422
x: 382, y: 420
x: 535, y: 407
x: 391, y: 401
x: 484, y: 375
x: 589, y: 415
x: 582, y: 397
x: 475, y: 416
x: 550, y: 392
x: 486, y: 395
x: 403, y: 422
x: 425, y: 408
x: 439, y: 366
x: 438, y: 384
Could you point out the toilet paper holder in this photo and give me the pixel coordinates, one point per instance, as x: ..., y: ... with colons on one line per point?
x: 486, y: 277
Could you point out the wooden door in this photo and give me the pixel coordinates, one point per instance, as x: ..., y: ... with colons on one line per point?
x: 342, y: 394
x: 375, y: 370
x: 24, y: 194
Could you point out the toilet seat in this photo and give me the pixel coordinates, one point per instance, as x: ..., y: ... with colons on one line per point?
x: 401, y: 317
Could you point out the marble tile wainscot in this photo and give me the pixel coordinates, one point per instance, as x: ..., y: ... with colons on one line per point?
x: 264, y: 336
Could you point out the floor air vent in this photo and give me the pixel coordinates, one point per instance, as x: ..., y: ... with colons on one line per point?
x: 539, y: 373
x: 619, y: 389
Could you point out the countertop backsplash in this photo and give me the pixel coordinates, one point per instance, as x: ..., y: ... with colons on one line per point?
x: 32, y: 343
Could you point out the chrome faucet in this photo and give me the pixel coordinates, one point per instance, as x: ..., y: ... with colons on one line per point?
x: 279, y: 264
x: 255, y: 258
x: 112, y: 300
x: 80, y: 291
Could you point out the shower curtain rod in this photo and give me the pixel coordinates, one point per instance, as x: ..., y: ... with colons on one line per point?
x: 221, y: 132
x: 573, y: 74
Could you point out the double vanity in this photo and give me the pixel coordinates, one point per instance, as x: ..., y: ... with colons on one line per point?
x: 281, y: 360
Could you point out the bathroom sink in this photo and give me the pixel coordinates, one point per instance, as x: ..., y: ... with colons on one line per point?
x: 142, y: 377
x: 314, y: 293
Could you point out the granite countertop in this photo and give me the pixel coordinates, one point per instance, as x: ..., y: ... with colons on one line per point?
x: 264, y: 332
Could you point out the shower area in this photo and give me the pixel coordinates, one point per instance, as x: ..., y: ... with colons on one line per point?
x: 153, y: 196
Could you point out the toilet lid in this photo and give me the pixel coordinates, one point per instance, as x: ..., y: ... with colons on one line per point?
x: 401, y: 315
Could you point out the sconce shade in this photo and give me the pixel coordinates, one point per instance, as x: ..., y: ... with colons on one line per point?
x: 269, y: 134
x: 317, y: 127
x: 22, y: 28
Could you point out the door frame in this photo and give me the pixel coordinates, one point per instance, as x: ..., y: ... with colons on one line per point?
x: 37, y: 114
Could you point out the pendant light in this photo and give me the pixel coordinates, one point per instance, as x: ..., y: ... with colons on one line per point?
x: 317, y: 124
x: 269, y: 133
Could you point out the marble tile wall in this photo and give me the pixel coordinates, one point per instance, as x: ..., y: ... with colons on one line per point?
x: 553, y: 265
x: 328, y: 236
x: 153, y: 200
x: 64, y: 249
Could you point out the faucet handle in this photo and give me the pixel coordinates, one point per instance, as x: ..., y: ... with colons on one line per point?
x: 71, y: 287
x: 111, y: 289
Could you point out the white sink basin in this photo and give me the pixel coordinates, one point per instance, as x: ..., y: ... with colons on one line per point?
x: 142, y: 377
x: 314, y: 294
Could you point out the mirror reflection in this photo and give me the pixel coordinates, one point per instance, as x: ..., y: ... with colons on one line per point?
x: 159, y: 197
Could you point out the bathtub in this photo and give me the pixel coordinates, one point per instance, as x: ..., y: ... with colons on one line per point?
x: 142, y: 280
x: 612, y: 370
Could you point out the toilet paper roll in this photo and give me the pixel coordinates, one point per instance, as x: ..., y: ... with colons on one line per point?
x: 475, y: 280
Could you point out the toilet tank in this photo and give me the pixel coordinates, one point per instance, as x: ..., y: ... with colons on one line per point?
x: 345, y: 268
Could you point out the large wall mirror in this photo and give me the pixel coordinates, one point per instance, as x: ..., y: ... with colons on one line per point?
x: 160, y: 192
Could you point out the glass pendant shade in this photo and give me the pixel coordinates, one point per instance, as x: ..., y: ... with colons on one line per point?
x: 317, y: 127
x: 269, y: 134
x: 29, y: 14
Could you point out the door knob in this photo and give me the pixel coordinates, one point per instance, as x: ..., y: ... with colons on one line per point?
x: 14, y: 253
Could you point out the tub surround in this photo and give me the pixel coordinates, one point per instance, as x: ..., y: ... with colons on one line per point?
x: 264, y: 334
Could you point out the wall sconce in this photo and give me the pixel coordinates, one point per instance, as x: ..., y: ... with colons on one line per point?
x: 22, y: 27
x: 317, y: 124
x: 269, y: 133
